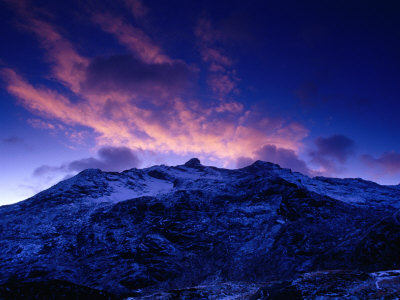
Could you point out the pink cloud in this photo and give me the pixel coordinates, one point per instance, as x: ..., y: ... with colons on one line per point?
x: 37, y: 123
x: 121, y: 108
x: 233, y: 107
x: 178, y: 129
x: 221, y: 84
x: 68, y: 65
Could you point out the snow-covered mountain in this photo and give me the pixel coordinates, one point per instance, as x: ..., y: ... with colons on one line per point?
x: 197, y: 231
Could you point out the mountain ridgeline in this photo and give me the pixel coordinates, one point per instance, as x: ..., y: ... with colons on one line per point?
x: 201, y: 232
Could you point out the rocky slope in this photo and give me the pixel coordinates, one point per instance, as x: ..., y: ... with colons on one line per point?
x: 198, y: 232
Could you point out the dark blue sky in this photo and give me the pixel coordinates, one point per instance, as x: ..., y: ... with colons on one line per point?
x: 311, y: 85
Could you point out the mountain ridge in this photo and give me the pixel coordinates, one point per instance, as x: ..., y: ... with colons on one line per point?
x: 163, y: 228
x: 326, y: 185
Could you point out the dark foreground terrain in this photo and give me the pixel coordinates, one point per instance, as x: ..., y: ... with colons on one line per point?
x: 197, y: 232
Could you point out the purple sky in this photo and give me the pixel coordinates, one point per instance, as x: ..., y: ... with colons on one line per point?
x: 312, y: 86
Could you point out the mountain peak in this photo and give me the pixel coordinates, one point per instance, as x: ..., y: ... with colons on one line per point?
x: 263, y: 164
x: 193, y: 163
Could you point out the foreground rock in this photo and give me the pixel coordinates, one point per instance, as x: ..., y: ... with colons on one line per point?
x: 338, y: 284
x: 140, y: 232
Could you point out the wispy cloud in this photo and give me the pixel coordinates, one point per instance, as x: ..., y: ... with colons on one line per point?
x: 137, y: 100
x: 137, y: 7
x: 67, y: 65
x: 133, y: 38
x: 222, y: 78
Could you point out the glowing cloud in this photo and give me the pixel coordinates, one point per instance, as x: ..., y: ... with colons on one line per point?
x: 138, y: 100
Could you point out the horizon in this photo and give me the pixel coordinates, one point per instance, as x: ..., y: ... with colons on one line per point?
x: 124, y: 84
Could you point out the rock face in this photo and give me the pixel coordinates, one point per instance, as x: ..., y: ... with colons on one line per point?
x: 140, y: 232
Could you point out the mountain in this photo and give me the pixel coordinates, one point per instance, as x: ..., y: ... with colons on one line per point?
x: 201, y: 232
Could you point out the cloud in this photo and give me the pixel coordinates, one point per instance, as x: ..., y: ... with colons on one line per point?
x: 139, y: 43
x: 128, y: 74
x: 286, y: 158
x: 221, y: 84
x: 388, y: 162
x: 336, y: 146
x: 110, y: 159
x: 205, y: 31
x: 180, y: 126
x: 138, y: 9
x: 222, y: 78
x: 135, y: 101
x: 332, y: 151
x: 233, y: 107
x: 67, y: 65
x: 211, y: 55
x: 40, y: 124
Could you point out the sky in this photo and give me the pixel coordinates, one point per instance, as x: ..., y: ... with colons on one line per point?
x: 311, y: 85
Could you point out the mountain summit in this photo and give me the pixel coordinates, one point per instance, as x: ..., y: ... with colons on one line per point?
x: 251, y: 232
x: 194, y: 162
